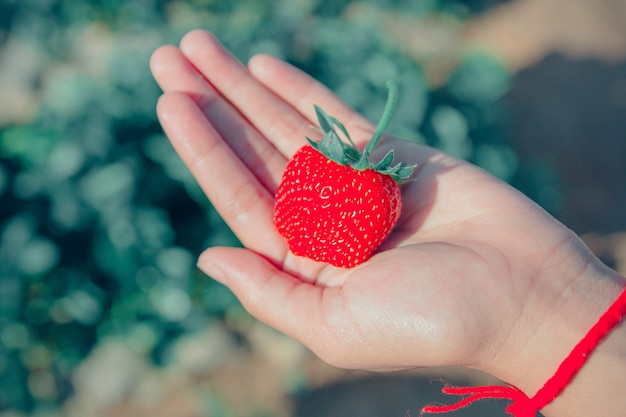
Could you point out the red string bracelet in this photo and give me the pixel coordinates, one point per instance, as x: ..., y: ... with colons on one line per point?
x: 522, y: 405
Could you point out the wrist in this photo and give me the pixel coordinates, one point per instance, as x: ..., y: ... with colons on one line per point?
x: 598, y: 388
x: 566, y: 303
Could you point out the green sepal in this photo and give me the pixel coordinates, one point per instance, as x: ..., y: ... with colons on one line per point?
x: 332, y: 147
x: 344, y: 153
x: 312, y: 142
x: 328, y: 123
x: 385, y: 162
x: 404, y: 173
x: 399, y: 172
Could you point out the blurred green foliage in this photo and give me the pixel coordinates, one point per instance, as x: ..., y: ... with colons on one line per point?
x: 100, y: 223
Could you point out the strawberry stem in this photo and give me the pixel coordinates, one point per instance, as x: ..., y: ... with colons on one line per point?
x: 390, y: 107
x: 343, y: 153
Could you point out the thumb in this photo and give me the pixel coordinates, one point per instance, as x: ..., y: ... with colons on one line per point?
x: 269, y: 294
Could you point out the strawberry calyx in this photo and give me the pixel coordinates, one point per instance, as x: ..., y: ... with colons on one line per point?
x: 347, y: 153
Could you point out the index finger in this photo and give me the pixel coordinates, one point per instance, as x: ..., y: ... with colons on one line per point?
x: 235, y: 192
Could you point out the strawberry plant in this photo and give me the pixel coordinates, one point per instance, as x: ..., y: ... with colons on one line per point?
x: 334, y: 204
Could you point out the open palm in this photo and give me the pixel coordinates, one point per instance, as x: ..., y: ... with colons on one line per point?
x: 462, y: 264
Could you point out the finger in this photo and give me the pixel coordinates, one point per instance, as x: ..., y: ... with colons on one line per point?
x: 271, y: 116
x: 174, y: 72
x: 236, y: 193
x: 303, y: 92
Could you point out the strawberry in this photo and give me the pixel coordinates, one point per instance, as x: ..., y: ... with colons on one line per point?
x: 333, y: 205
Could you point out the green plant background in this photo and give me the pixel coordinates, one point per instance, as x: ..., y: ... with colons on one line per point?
x: 100, y: 223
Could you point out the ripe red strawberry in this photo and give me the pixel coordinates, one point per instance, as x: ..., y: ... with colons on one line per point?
x: 333, y: 205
